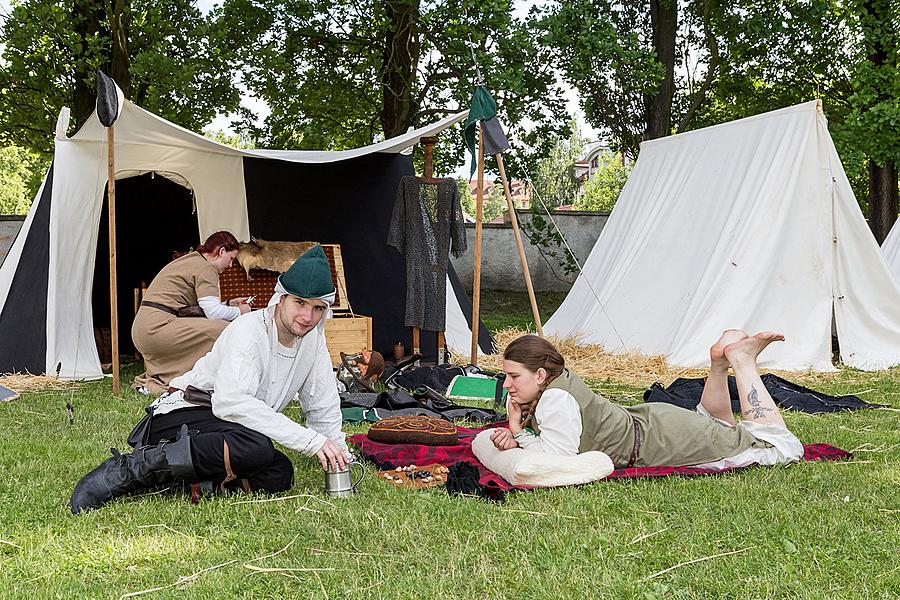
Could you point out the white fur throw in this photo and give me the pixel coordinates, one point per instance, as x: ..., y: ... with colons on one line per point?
x: 540, y: 469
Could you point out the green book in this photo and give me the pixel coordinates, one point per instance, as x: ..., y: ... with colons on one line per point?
x: 467, y: 388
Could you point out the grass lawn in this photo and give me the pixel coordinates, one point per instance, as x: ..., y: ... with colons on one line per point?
x: 812, y: 530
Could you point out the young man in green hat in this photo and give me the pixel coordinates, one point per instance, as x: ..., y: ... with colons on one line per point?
x: 257, y: 365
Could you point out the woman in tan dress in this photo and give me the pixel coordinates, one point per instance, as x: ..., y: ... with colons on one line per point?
x: 563, y: 416
x: 171, y: 344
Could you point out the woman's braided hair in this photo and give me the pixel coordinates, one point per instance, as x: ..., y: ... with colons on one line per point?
x: 533, y: 353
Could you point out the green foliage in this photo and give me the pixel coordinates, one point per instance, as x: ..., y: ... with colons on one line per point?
x: 554, y: 178
x: 21, y: 173
x: 320, y: 66
x: 493, y: 203
x: 235, y: 140
x: 181, y: 65
x: 604, y: 50
x: 550, y: 243
x: 601, y: 191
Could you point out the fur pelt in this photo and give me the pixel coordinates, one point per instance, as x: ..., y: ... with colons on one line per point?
x: 272, y: 256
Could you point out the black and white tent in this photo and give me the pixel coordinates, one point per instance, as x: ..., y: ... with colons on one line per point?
x: 174, y: 188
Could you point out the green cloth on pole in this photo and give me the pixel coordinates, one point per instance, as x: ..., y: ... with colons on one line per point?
x: 481, y: 108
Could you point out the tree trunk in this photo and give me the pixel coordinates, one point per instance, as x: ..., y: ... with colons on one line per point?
x: 400, y: 56
x: 87, y: 15
x: 119, y: 61
x: 883, y: 198
x: 883, y: 203
x: 90, y: 19
x: 658, y: 105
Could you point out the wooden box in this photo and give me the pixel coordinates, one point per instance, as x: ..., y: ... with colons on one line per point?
x: 348, y: 334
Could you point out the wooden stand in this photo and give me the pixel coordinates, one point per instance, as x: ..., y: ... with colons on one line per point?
x: 442, y: 353
x: 518, y: 235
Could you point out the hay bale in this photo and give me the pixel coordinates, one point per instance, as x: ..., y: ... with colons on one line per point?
x: 591, y: 361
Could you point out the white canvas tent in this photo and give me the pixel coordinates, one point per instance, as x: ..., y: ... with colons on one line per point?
x: 890, y: 248
x: 46, y: 317
x: 750, y: 224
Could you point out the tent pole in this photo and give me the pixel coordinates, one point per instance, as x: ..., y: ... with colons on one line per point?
x: 518, y: 235
x: 113, y: 299
x: 476, y: 276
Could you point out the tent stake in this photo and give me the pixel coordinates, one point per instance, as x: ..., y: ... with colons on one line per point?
x: 476, y: 276
x: 113, y: 300
x: 521, y: 248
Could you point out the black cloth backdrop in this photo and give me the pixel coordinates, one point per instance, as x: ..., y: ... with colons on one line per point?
x: 348, y: 203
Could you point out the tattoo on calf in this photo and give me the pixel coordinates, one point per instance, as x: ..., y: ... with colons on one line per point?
x: 758, y: 411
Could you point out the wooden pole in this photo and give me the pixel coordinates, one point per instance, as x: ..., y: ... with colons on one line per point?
x: 476, y: 276
x: 518, y: 235
x: 113, y: 299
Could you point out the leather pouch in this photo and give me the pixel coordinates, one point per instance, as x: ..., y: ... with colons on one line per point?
x: 190, y: 311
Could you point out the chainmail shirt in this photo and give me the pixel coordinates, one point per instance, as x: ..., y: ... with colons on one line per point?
x: 426, y: 225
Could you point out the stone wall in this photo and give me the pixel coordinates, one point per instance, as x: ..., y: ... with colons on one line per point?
x: 500, y: 266
x: 9, y: 228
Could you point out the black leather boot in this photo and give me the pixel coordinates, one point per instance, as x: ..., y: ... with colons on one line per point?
x: 145, y: 468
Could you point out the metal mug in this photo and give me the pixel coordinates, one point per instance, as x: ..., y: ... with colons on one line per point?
x: 340, y: 483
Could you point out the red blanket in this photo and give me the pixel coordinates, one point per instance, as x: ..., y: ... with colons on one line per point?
x: 389, y: 456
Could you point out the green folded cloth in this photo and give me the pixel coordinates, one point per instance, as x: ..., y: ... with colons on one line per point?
x: 359, y: 415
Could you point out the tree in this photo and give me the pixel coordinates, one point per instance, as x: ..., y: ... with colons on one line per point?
x: 602, y: 190
x: 165, y: 55
x: 554, y: 179
x: 780, y: 53
x: 622, y: 58
x: 18, y: 183
x: 493, y: 203
x: 874, y: 116
x: 339, y: 75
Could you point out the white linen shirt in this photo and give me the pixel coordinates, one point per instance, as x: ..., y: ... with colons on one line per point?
x: 559, y: 419
x: 241, y: 371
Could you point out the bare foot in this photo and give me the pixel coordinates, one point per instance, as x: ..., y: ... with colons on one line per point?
x: 717, y: 358
x: 745, y: 351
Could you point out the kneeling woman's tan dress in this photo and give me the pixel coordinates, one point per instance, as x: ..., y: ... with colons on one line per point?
x: 171, y: 345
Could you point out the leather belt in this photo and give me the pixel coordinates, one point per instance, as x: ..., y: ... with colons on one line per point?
x: 159, y: 306
x: 637, y: 443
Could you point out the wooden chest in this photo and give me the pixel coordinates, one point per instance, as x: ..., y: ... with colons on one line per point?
x: 348, y: 334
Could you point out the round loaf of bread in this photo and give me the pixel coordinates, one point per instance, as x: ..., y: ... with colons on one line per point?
x: 414, y: 429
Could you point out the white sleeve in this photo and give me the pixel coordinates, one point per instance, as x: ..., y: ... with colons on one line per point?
x: 214, y: 309
x: 237, y: 380
x: 321, y: 403
x: 559, y: 420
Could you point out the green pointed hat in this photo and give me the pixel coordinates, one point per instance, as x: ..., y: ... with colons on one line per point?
x: 309, y: 276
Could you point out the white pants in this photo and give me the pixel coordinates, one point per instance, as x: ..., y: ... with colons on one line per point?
x: 786, y: 448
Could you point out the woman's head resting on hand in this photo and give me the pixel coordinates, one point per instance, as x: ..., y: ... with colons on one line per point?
x: 530, y: 363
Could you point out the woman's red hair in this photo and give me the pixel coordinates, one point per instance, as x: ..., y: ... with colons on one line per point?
x: 220, y: 239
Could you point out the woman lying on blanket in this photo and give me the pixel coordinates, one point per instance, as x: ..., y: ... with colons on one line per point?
x: 563, y: 416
